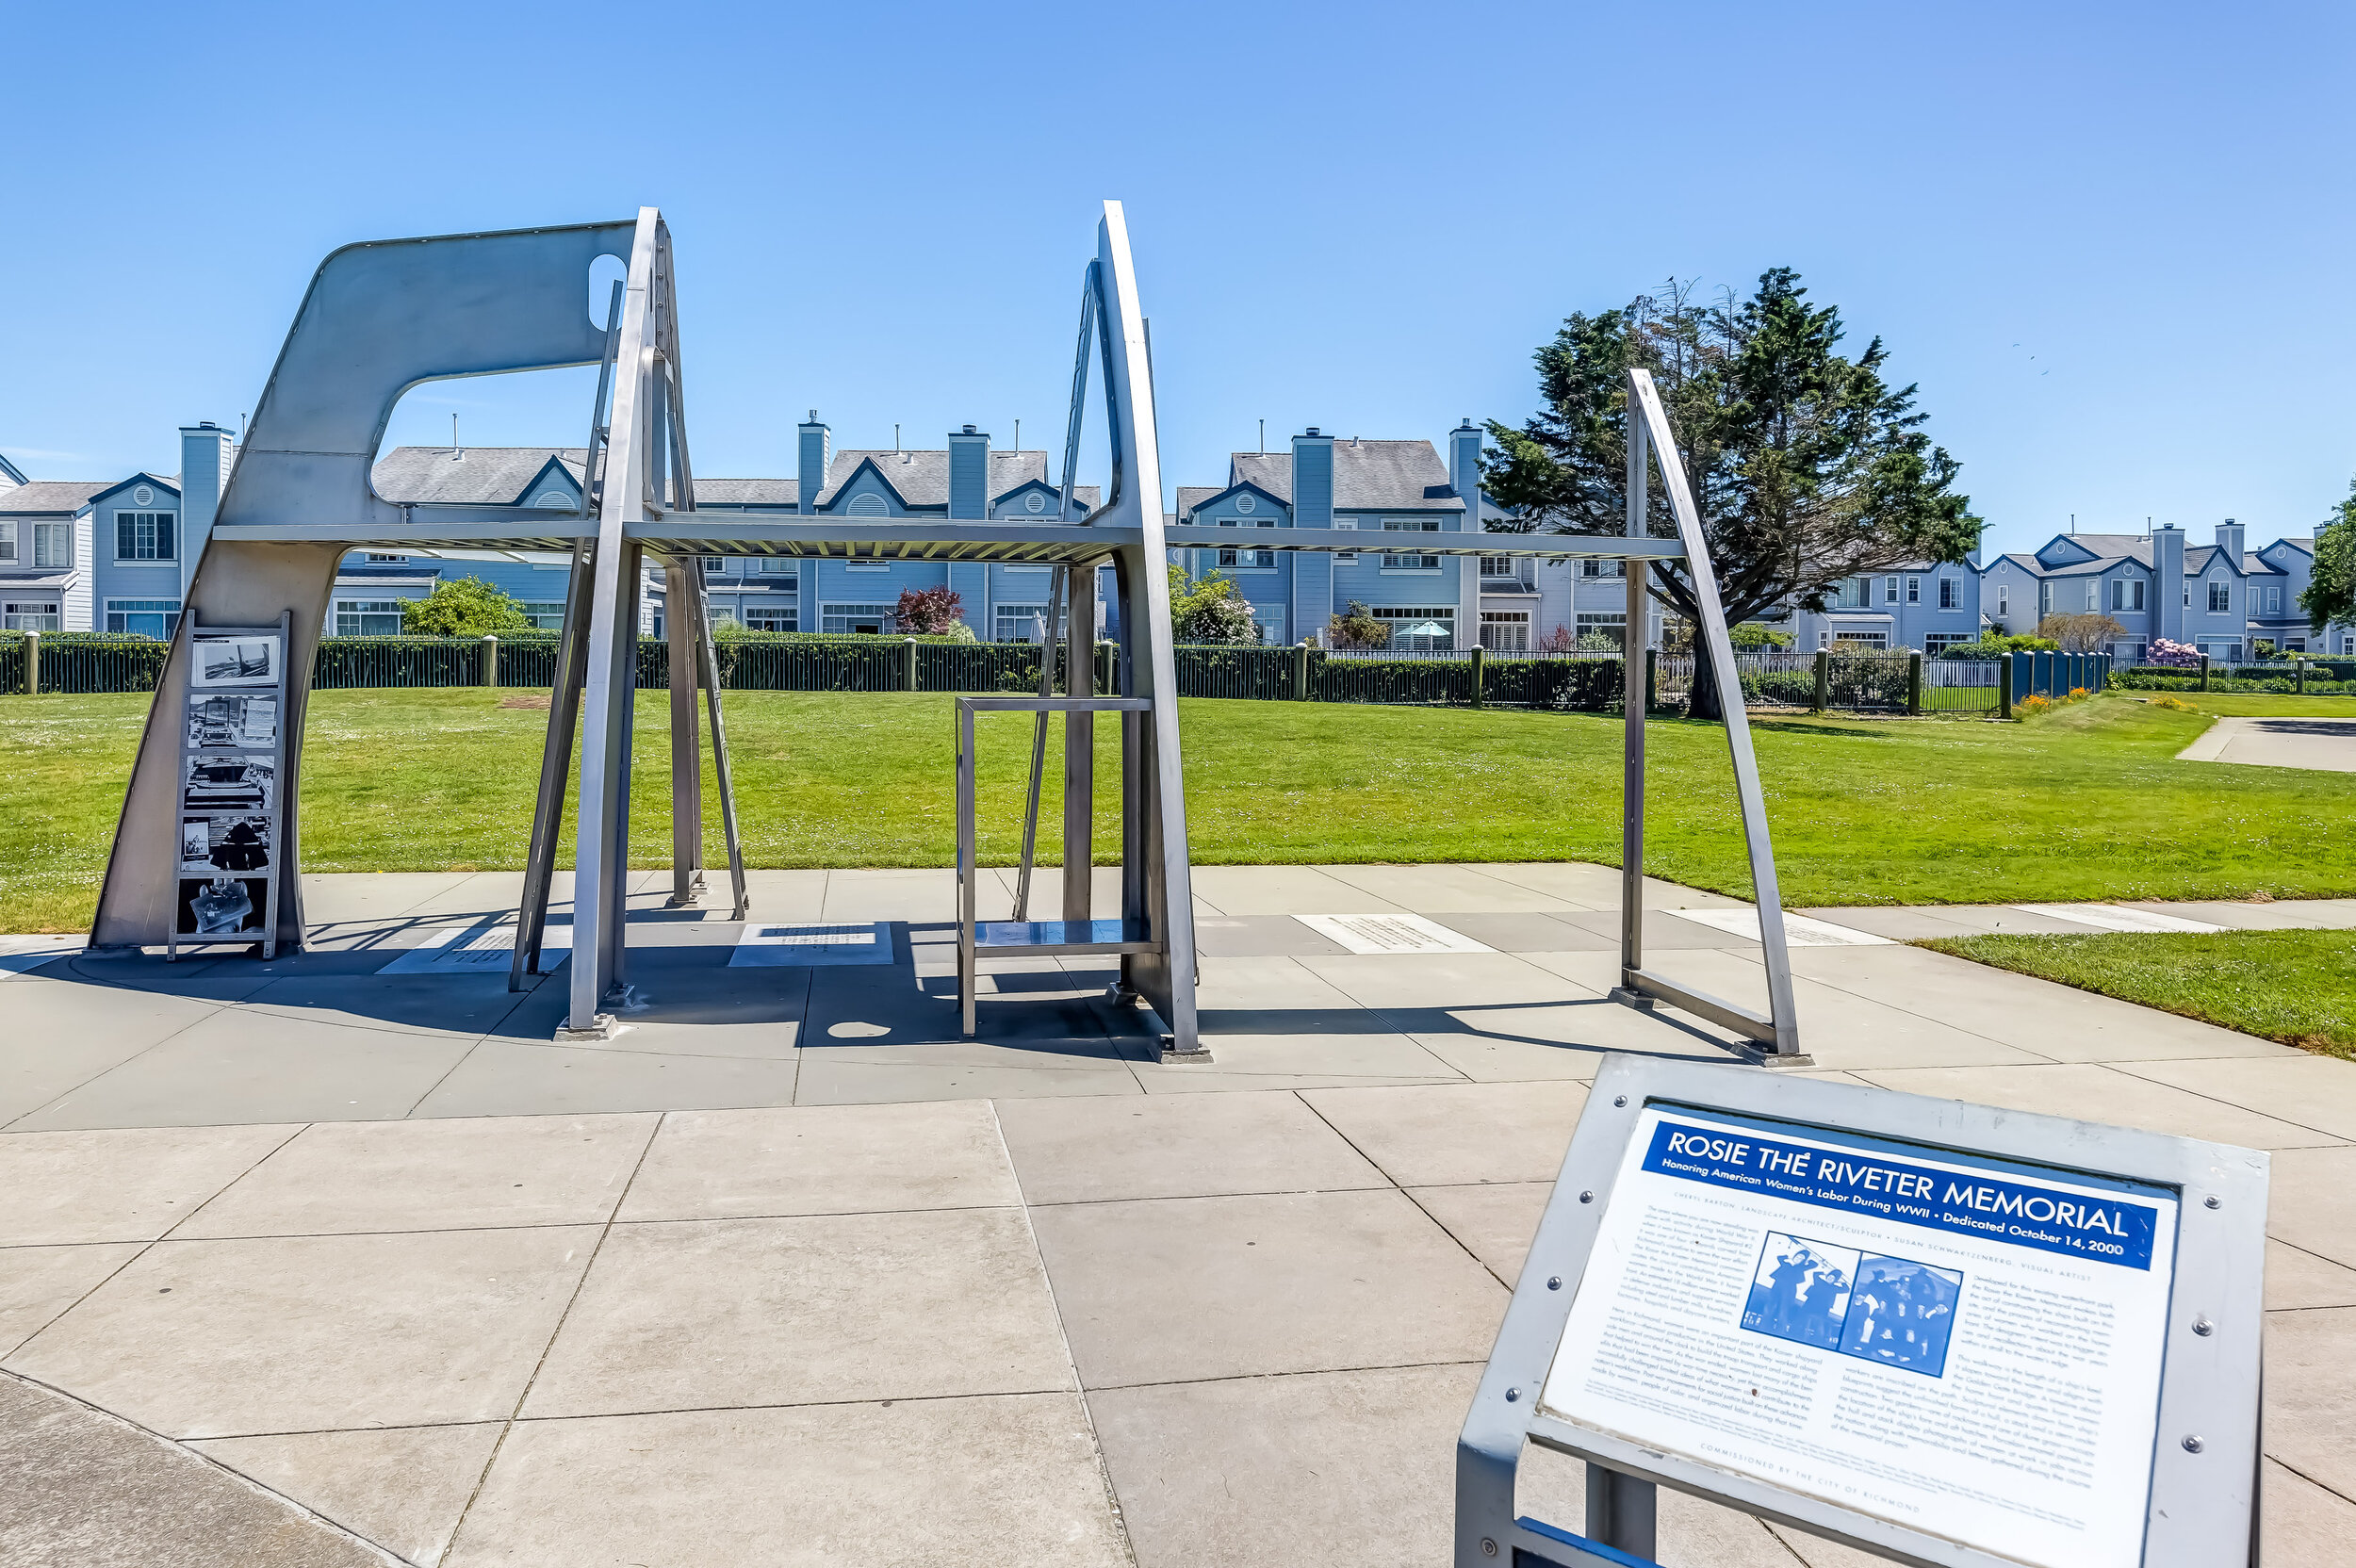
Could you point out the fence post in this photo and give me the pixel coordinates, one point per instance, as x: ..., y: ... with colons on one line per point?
x: 1652, y: 678
x: 911, y: 671
x: 2302, y: 674
x: 1824, y: 679
x: 1300, y: 671
x: 2205, y: 672
x: 2004, y: 685
x: 1107, y: 666
x: 1914, y: 684
x: 32, y: 663
x: 1480, y: 667
x: 490, y: 659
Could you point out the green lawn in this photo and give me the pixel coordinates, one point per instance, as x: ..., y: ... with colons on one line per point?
x: 2297, y: 986
x: 2083, y: 803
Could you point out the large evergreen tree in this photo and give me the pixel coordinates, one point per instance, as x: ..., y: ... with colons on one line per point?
x: 1805, y: 465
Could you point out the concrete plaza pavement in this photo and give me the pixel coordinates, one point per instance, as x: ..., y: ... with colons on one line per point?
x: 307, y: 1262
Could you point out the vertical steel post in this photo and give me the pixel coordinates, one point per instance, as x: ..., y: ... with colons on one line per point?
x: 2004, y: 685
x: 967, y: 957
x: 600, y: 869
x: 1824, y: 678
x: 1056, y: 595
x: 710, y: 660
x: 1622, y: 1511
x: 1636, y: 673
x: 1914, y: 684
x: 32, y: 663
x: 682, y: 612
x: 1079, y: 744
x: 556, y: 763
x: 490, y: 659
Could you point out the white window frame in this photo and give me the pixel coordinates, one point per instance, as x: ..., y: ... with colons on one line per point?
x: 764, y: 615
x: 363, y: 611
x: 2004, y: 599
x: 7, y: 541
x: 42, y: 613
x: 1400, y: 561
x: 46, y: 553
x: 1346, y: 558
x: 1936, y: 641
x: 1914, y: 590
x: 1396, y: 616
x: 1594, y: 566
x: 779, y: 565
x: 1950, y: 594
x: 2220, y: 597
x: 1889, y: 589
x: 122, y: 609
x: 850, y: 610
x: 2094, y: 594
x: 152, y: 519
x: 1505, y: 631
x: 543, y: 614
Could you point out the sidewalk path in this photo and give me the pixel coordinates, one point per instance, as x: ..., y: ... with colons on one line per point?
x: 2329, y: 744
x: 791, y: 1274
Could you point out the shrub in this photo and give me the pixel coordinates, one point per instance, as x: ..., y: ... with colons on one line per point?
x: 466, y: 607
x: 1990, y: 647
x: 1359, y: 627
x: 1211, y: 611
x: 2174, y: 655
x: 1751, y: 635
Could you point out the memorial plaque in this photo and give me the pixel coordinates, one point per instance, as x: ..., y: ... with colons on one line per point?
x: 1943, y: 1332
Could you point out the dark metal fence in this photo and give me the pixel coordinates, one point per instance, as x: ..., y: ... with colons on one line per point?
x: 1896, y: 682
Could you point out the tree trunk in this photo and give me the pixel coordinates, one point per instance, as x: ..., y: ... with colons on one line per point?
x: 1704, y: 703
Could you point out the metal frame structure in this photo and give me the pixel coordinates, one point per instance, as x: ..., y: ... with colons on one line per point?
x: 2203, y: 1510
x: 383, y: 317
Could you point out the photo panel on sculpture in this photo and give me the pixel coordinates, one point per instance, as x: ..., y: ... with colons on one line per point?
x: 219, y: 782
x: 222, y: 906
x: 230, y: 844
x: 229, y: 720
x: 219, y: 660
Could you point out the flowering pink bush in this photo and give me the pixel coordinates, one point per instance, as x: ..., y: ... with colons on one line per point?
x: 2165, y: 652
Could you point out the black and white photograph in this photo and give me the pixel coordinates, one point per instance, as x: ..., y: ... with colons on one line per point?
x: 233, y: 720
x: 1901, y: 1313
x: 217, y: 659
x: 211, y: 845
x: 1800, y: 1290
x: 228, y: 781
x: 222, y: 906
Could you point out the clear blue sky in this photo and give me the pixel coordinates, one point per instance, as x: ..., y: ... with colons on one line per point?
x: 2113, y: 244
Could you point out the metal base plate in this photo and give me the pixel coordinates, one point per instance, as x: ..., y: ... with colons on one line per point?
x: 603, y: 1027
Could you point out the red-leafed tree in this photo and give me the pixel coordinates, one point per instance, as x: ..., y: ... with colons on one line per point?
x: 929, y: 611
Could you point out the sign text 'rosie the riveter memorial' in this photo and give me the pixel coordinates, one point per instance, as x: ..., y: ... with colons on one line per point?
x: 1943, y: 1332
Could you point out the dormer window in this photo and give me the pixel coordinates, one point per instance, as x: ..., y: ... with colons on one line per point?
x: 868, y: 505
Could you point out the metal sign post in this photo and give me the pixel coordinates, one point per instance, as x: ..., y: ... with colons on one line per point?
x: 1945, y: 1334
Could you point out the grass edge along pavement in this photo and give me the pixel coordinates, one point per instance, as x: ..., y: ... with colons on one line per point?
x: 2295, y: 987
x: 2085, y: 803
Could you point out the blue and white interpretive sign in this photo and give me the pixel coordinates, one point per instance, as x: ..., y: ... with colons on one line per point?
x: 1960, y: 1346
x: 1943, y: 1334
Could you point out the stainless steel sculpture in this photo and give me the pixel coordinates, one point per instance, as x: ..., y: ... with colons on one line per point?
x: 382, y: 316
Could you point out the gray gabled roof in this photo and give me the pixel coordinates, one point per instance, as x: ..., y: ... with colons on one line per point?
x: 472, y: 476
x: 1369, y: 476
x: 54, y: 495
x: 1192, y: 495
x: 921, y: 478
x: 747, y: 492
